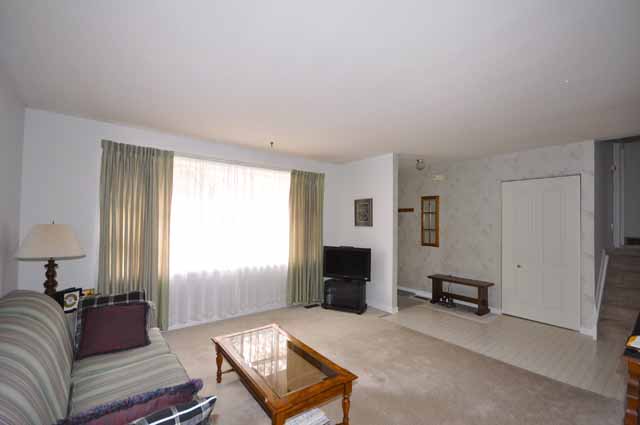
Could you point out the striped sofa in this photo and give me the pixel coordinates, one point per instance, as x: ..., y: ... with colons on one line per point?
x: 40, y: 383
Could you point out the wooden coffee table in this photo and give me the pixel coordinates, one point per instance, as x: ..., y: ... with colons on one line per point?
x: 285, y: 376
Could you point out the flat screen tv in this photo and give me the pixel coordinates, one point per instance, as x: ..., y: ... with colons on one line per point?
x: 347, y: 262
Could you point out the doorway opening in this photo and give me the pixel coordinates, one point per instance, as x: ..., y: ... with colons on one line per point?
x: 626, y: 192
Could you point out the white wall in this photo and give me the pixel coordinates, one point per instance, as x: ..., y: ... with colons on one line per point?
x: 470, y: 217
x: 61, y: 172
x: 632, y: 190
x: 603, y: 199
x: 371, y: 178
x: 11, y: 131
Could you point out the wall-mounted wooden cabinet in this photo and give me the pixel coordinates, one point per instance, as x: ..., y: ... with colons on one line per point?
x: 430, y: 220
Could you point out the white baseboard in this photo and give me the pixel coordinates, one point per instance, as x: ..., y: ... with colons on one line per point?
x: 592, y: 332
x: 385, y: 308
x: 261, y: 309
x: 427, y: 294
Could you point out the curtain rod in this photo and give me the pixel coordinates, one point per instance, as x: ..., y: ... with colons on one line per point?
x: 230, y: 161
x: 213, y: 158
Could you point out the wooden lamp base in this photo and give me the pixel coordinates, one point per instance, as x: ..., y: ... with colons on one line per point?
x: 51, y: 282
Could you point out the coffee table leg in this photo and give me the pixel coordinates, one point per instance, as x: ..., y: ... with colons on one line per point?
x: 346, y: 404
x: 219, y: 363
x: 278, y: 419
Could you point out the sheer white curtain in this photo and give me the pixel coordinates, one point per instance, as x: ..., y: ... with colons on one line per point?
x: 229, y: 240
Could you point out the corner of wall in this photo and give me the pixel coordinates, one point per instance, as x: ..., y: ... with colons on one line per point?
x: 394, y: 276
x: 12, y: 120
x: 376, y: 178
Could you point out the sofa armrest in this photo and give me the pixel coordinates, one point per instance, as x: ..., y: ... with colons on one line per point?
x: 152, y: 316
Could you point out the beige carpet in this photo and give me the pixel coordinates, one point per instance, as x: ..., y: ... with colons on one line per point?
x: 405, y: 377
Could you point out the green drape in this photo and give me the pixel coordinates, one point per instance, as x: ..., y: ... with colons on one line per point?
x: 135, y: 209
x: 304, y: 278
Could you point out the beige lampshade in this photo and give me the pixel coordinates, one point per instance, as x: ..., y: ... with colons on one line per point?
x: 45, y: 241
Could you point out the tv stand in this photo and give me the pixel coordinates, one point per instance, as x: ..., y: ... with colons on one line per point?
x: 345, y: 295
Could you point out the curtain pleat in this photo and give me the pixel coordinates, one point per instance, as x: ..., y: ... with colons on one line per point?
x: 135, y: 208
x: 304, y: 279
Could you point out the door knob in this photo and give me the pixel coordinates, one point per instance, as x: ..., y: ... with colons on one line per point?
x: 518, y: 266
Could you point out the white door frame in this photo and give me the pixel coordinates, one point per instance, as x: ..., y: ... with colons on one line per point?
x: 618, y: 195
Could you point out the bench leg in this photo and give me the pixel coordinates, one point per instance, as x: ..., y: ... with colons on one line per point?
x: 483, y: 301
x: 436, y: 290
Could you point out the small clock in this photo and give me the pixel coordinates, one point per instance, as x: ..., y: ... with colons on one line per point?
x: 69, y: 299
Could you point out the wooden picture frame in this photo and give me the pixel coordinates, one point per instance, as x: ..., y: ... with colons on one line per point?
x: 363, y: 212
x: 430, y: 221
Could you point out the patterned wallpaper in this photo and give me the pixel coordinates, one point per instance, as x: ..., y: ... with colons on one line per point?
x: 470, y: 217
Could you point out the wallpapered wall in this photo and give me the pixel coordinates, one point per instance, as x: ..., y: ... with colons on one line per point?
x: 470, y: 200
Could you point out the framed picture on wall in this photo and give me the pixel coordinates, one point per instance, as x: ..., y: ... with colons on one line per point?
x: 363, y: 212
x: 430, y: 220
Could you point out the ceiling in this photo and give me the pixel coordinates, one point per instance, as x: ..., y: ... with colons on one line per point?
x: 337, y: 80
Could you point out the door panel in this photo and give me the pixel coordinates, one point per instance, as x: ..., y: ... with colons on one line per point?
x: 524, y: 253
x: 509, y: 285
x: 541, y: 250
x: 553, y: 246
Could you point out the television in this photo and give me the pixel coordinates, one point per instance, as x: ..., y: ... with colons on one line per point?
x: 345, y: 262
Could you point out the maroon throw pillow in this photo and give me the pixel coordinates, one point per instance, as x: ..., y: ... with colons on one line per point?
x: 112, y: 328
x: 101, y: 301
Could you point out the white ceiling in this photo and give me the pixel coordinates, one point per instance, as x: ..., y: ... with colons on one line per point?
x: 337, y: 79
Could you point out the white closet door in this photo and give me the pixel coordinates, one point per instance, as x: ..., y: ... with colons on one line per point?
x: 541, y: 250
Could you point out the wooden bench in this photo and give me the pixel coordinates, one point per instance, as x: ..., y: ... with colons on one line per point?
x: 483, y: 291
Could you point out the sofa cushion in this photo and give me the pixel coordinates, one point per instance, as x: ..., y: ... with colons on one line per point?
x: 161, y: 371
x: 195, y: 412
x: 137, y: 406
x: 105, y: 362
x: 113, y: 328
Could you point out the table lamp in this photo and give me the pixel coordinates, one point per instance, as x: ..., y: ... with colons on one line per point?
x: 50, y: 242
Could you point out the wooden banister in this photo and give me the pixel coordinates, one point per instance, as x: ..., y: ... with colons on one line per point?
x: 632, y: 357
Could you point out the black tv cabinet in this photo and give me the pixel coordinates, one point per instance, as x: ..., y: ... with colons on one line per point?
x: 345, y: 295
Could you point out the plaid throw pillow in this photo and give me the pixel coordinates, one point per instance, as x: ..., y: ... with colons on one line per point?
x: 195, y: 412
x: 100, y: 301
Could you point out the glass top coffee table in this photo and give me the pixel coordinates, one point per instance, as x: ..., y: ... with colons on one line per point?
x: 284, y: 375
